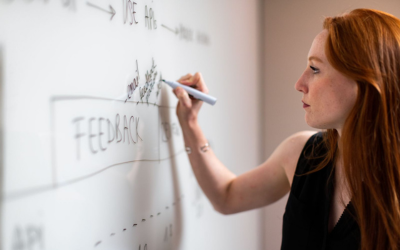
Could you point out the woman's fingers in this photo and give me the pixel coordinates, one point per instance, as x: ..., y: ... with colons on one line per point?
x: 188, y: 107
x: 199, y: 82
x: 183, y: 97
x: 195, y: 81
x: 185, y: 77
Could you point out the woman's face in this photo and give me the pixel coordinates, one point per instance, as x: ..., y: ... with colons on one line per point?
x: 328, y: 95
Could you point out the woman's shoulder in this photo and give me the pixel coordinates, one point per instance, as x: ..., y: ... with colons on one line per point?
x: 296, y: 143
x: 299, y: 139
x: 292, y: 148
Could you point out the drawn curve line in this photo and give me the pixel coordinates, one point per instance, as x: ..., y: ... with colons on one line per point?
x: 72, y: 98
x: 44, y: 188
x: 37, y: 190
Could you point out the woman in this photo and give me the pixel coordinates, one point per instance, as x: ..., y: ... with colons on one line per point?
x: 344, y: 182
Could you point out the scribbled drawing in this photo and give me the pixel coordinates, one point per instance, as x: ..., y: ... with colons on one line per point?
x: 185, y: 33
x: 151, y: 76
x: 175, y: 129
x: 30, y: 238
x: 168, y: 233
x: 144, y: 248
x: 134, y: 84
x: 167, y: 132
x: 159, y: 85
x: 69, y: 4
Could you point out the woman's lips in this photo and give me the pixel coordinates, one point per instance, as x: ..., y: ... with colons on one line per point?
x: 305, y: 105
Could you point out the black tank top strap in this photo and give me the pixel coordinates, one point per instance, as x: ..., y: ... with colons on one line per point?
x: 303, y: 185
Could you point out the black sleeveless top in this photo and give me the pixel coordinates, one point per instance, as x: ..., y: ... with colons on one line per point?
x: 305, y: 222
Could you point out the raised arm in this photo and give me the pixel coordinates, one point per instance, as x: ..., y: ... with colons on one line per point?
x: 227, y: 192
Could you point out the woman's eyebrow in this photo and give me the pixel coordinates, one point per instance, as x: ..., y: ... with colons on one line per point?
x: 315, y: 58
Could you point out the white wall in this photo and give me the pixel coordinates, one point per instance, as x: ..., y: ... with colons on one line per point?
x: 64, y: 61
x: 290, y: 27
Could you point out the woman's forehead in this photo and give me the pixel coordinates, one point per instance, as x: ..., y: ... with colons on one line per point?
x: 317, y: 49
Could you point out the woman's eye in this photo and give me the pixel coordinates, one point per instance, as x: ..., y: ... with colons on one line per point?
x: 314, y: 69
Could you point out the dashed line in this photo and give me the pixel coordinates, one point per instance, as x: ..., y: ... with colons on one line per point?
x: 143, y: 220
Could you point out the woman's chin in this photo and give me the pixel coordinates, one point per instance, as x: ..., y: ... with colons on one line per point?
x: 316, y: 124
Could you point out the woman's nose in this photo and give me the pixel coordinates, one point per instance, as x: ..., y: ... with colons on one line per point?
x: 301, y: 84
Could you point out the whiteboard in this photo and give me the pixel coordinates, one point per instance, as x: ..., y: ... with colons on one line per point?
x: 92, y: 154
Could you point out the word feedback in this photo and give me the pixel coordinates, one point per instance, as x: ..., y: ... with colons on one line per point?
x: 106, y: 132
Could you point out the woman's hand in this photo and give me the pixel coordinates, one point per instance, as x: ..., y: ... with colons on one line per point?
x: 188, y: 107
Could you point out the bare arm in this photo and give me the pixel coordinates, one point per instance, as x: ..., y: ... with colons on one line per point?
x: 227, y: 192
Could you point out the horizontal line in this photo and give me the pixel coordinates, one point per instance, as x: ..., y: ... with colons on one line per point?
x: 74, y: 98
x: 37, y: 190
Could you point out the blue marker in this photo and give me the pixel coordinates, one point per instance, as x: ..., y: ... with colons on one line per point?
x: 194, y: 92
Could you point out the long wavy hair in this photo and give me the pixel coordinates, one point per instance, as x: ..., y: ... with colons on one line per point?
x: 364, y: 45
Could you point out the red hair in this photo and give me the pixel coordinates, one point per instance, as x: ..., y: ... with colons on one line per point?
x: 364, y: 45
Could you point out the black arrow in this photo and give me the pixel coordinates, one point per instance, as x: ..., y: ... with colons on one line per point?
x: 112, y: 11
x: 176, y: 31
